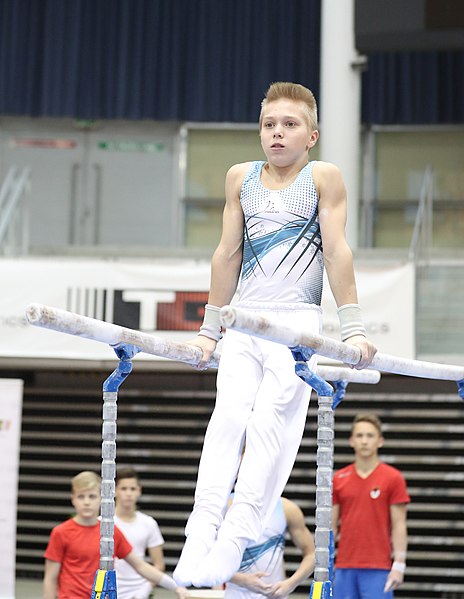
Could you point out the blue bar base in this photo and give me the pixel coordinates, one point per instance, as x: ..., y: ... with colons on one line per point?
x: 104, y: 585
x: 321, y: 590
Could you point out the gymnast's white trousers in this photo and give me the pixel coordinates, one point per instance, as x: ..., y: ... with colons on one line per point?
x: 260, y: 398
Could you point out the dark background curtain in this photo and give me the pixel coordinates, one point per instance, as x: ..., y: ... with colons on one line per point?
x: 198, y: 60
x: 410, y: 88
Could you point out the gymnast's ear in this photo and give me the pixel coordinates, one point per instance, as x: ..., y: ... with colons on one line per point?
x: 314, y: 136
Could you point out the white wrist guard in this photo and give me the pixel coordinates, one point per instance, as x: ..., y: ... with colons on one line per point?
x: 349, y: 316
x: 211, y: 326
x: 167, y: 583
x: 399, y: 567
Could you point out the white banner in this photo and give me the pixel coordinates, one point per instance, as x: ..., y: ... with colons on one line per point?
x: 166, y: 298
x: 387, y: 297
x: 11, y: 394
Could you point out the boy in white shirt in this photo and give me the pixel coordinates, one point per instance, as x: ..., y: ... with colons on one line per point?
x: 141, y: 530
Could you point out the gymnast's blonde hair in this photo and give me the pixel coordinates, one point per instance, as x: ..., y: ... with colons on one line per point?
x: 292, y: 91
x: 85, y: 480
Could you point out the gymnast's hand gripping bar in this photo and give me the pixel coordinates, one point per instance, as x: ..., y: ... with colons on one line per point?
x: 253, y: 324
x: 90, y: 328
x: 82, y: 326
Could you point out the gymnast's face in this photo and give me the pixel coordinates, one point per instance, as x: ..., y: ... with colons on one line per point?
x: 285, y: 133
x: 365, y: 439
x: 86, y: 502
x: 127, y: 492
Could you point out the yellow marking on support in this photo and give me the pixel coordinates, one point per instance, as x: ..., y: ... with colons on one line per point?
x: 317, y: 590
x: 99, y: 582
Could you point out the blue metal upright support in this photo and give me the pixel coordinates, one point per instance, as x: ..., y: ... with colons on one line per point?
x: 321, y: 588
x: 340, y: 388
x: 104, y: 586
x: 461, y: 388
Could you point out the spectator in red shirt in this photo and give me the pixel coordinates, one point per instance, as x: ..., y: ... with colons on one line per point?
x: 72, y: 556
x: 369, y: 519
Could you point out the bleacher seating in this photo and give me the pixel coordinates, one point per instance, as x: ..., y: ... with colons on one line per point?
x: 162, y: 416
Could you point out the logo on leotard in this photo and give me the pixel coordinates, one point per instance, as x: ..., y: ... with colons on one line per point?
x: 274, y: 202
x: 375, y: 493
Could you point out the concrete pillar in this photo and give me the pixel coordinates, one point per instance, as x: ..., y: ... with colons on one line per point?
x: 340, y: 102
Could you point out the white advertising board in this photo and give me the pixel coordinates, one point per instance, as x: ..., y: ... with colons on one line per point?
x: 11, y: 395
x: 166, y: 298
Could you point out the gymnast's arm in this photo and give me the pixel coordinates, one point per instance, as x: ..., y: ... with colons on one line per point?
x: 335, y: 520
x: 152, y: 574
x: 227, y: 258
x: 303, y: 540
x: 50, y: 581
x: 338, y: 258
x: 252, y: 581
x: 157, y: 557
x: 399, y: 540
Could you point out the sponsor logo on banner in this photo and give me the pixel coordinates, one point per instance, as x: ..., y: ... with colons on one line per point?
x: 167, y: 299
x: 141, y: 309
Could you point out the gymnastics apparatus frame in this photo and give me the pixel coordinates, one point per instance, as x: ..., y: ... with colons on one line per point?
x: 303, y: 344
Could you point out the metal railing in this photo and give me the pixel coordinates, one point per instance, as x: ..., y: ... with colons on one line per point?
x: 14, y: 219
x: 422, y: 235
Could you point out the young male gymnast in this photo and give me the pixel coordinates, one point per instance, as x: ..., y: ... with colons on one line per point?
x: 369, y: 512
x: 262, y: 571
x: 284, y: 219
x: 72, y: 556
x: 142, y: 532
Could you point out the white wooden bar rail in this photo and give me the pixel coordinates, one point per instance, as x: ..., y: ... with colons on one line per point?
x: 253, y: 324
x: 82, y: 326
